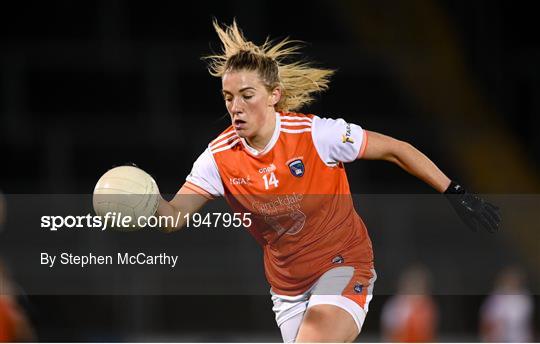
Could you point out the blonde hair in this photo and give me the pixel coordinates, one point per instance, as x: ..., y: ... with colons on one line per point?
x: 298, y: 80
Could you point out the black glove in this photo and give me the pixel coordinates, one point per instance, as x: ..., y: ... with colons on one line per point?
x: 473, y: 210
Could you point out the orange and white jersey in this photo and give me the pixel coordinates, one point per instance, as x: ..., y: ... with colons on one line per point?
x: 297, y: 191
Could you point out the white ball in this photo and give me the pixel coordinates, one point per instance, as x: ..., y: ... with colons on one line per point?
x: 126, y: 191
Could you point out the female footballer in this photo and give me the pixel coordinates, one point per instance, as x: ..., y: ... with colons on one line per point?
x: 287, y: 169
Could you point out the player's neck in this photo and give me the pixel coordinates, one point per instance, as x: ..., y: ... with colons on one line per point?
x: 264, y: 135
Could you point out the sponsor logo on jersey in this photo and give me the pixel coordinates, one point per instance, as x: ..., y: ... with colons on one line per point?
x: 358, y: 287
x: 270, y: 168
x: 346, y: 138
x: 297, y: 168
x: 239, y: 181
x: 279, y: 205
x: 338, y: 260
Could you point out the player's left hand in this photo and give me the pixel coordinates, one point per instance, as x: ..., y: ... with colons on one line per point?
x: 473, y: 210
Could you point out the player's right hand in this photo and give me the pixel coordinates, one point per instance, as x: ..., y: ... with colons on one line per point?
x: 473, y: 210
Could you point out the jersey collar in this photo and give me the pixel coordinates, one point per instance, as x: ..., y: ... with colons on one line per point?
x: 270, y: 143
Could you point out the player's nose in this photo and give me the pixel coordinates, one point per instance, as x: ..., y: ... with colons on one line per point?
x: 235, y: 106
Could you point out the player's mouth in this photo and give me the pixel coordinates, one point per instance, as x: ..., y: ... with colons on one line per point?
x: 239, y: 124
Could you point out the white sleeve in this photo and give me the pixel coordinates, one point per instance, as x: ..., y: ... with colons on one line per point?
x: 337, y: 141
x: 205, y: 174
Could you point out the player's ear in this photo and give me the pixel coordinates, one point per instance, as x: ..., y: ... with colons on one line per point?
x: 275, y: 96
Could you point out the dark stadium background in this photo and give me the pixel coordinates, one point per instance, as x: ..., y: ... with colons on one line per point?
x: 88, y: 85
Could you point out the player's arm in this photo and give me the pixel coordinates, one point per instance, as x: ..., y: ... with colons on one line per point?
x: 186, y: 201
x: 473, y: 210
x: 202, y: 184
x: 403, y: 154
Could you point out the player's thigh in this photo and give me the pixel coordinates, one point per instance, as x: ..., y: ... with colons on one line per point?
x: 327, y: 323
x: 345, y: 292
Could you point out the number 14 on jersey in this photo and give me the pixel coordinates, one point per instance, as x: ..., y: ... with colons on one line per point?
x: 269, y: 180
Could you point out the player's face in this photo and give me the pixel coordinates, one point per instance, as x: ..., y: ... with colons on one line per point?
x: 248, y: 102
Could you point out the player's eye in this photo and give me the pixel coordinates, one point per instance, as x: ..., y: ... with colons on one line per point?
x: 248, y: 96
